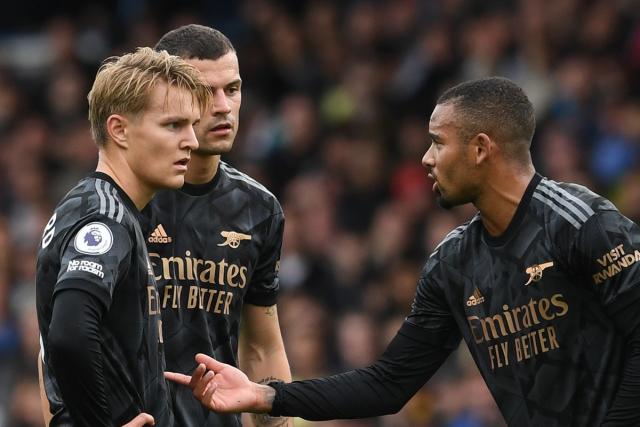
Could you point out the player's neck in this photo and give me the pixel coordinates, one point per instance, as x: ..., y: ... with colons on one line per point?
x: 201, y: 168
x: 501, y: 196
x: 139, y: 193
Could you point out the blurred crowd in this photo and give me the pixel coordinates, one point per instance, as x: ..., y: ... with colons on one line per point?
x: 336, y: 101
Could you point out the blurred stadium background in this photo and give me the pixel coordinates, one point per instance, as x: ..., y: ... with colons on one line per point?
x: 336, y: 100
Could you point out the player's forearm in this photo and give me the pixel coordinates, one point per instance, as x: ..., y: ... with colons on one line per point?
x: 380, y: 389
x: 264, y: 366
x: 625, y: 410
x: 262, y: 355
x: 75, y: 356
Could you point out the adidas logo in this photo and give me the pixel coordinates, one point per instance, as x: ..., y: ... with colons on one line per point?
x: 476, y: 298
x: 159, y: 235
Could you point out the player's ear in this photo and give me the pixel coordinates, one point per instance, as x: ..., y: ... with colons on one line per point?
x: 483, y: 147
x: 117, y: 130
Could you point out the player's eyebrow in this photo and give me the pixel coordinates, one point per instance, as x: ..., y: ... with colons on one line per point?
x: 434, y: 137
x: 236, y: 82
x: 169, y: 119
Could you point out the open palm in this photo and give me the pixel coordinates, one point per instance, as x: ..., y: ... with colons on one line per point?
x: 220, y: 387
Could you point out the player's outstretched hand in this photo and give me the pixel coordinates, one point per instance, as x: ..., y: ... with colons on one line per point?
x: 141, y: 420
x: 220, y: 387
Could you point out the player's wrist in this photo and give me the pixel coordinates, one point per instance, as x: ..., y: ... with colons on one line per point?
x: 265, y: 396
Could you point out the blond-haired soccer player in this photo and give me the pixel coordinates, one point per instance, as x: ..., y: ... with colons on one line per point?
x: 102, y: 353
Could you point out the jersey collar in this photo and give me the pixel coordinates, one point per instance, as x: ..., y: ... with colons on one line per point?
x: 123, y: 195
x: 202, y: 189
x: 517, y: 218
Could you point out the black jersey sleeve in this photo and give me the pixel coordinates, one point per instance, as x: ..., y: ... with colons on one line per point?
x: 95, y: 257
x: 264, y: 285
x: 380, y: 389
x: 607, y: 251
x: 75, y: 356
x: 430, y: 310
x: 625, y: 410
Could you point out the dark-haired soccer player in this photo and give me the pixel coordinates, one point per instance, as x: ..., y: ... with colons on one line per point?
x: 97, y: 302
x: 543, y: 284
x: 215, y: 245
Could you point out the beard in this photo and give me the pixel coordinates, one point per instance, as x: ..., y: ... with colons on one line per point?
x: 444, y: 203
x: 450, y: 203
x: 213, y: 148
x: 211, y: 151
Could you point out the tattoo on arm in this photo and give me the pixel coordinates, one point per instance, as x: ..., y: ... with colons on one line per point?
x: 266, y: 420
x: 270, y: 311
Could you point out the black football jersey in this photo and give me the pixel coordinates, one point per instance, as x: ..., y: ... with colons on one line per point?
x: 93, y: 242
x: 213, y: 247
x: 544, y: 308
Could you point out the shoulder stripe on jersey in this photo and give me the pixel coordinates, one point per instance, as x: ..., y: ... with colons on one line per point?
x: 557, y: 209
x: 120, y: 208
x: 559, y: 200
x: 112, y: 203
x: 242, y: 177
x: 456, y: 233
x: 103, y: 202
x: 564, y: 193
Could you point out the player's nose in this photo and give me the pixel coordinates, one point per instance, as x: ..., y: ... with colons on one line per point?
x: 191, y: 141
x: 428, y: 161
x: 220, y: 103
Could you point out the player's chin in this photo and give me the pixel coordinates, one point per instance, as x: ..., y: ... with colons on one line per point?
x: 173, y: 182
x: 445, y: 202
x: 214, y: 148
x: 449, y: 201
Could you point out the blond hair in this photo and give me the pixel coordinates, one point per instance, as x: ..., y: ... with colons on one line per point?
x: 123, y: 85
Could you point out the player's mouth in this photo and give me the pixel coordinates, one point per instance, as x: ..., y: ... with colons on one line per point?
x: 221, y: 129
x: 181, y: 164
x: 435, y: 187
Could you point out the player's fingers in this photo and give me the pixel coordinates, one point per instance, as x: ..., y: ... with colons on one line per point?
x: 141, y: 420
x: 201, y: 386
x: 211, y: 363
x: 196, y: 376
x: 178, y: 378
x: 207, y: 399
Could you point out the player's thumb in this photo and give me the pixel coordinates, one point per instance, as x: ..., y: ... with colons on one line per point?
x: 208, y: 361
x: 143, y: 419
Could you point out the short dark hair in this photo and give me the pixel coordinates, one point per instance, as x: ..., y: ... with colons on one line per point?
x: 195, y: 41
x: 496, y: 106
